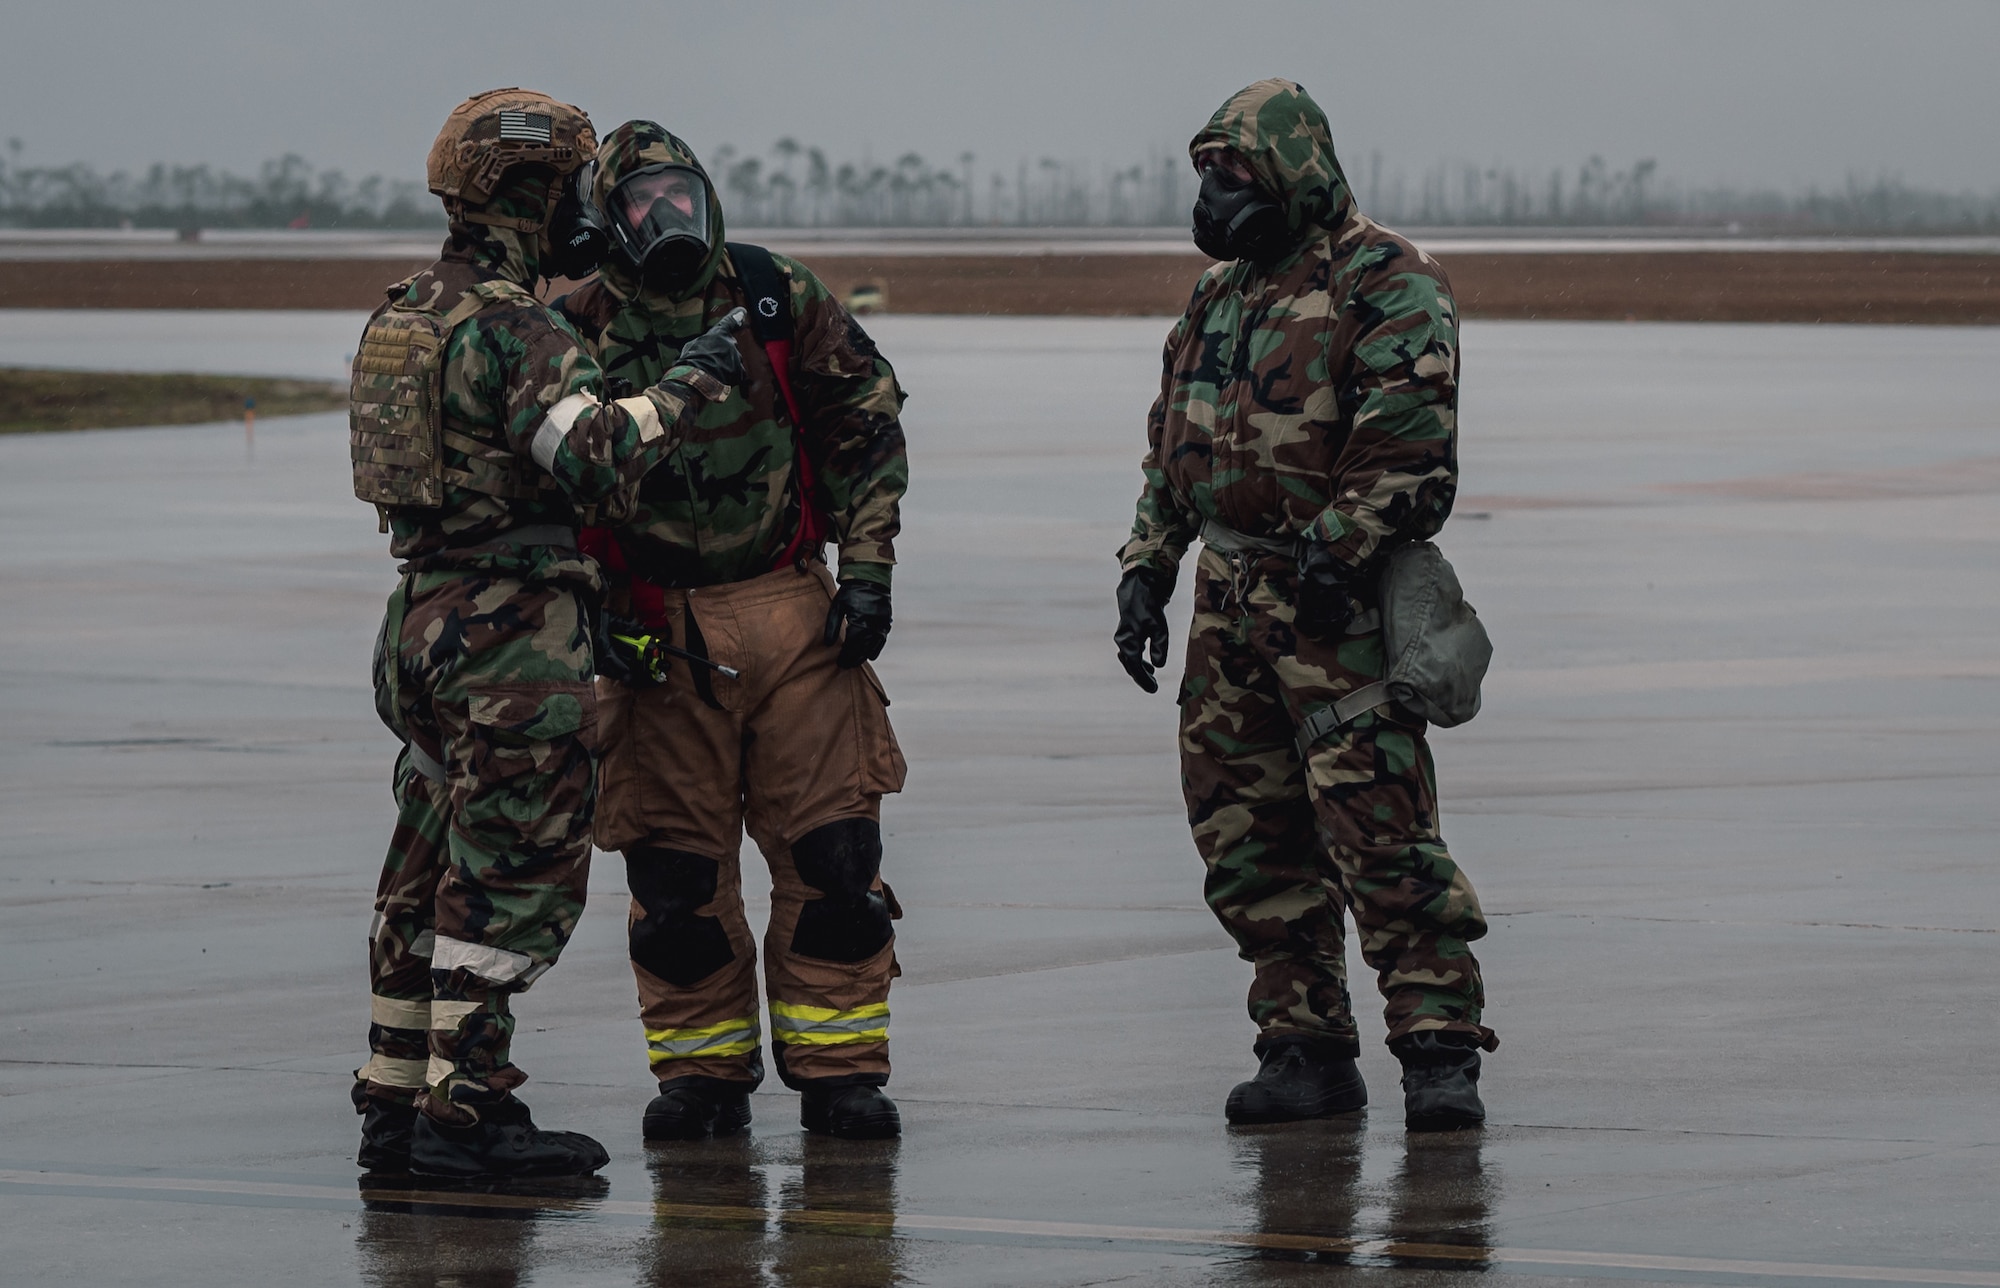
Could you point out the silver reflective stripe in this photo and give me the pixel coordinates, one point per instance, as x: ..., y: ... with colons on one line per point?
x: 499, y: 965
x: 731, y: 1037
x: 1228, y: 540
x: 426, y: 764
x: 556, y: 426
x: 786, y: 1027
x: 1335, y: 715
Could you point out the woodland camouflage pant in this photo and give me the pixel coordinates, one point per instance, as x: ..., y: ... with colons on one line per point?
x: 489, y: 677
x: 1289, y: 845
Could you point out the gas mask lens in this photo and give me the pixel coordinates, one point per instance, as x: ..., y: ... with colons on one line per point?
x: 660, y: 217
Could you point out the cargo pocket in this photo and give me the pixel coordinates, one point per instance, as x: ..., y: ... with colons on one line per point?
x: 529, y: 764
x: 882, y: 766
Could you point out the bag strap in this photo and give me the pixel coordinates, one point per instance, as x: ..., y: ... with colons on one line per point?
x: 770, y: 314
x: 1339, y: 714
x: 771, y: 322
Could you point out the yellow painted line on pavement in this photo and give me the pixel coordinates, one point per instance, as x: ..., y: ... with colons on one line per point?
x: 910, y: 1224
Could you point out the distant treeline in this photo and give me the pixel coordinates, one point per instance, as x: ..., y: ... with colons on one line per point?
x: 1596, y: 194
x: 794, y: 185
x: 286, y: 193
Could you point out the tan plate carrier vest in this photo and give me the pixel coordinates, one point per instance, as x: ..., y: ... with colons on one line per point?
x: 396, y: 429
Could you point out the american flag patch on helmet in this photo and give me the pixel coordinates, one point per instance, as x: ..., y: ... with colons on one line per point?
x: 525, y: 127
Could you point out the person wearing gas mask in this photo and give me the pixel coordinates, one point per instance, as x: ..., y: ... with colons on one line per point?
x: 1306, y: 426
x: 480, y: 429
x: 747, y: 700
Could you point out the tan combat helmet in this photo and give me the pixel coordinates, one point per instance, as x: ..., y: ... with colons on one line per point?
x: 490, y: 132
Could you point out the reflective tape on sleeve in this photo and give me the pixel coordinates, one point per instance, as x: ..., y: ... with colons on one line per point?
x: 797, y: 1025
x: 731, y: 1037
x: 556, y: 426
x: 645, y: 416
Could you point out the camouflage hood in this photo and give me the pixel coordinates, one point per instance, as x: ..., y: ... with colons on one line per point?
x: 1275, y: 126
x: 516, y: 256
x: 631, y: 147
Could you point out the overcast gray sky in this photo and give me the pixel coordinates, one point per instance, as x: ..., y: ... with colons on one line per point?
x: 1778, y: 92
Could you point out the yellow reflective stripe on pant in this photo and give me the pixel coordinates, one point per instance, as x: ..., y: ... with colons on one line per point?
x: 731, y: 1037
x: 818, y: 1026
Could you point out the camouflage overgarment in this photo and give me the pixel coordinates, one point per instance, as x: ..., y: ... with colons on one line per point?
x: 1312, y: 397
x: 505, y: 370
x: 488, y: 674
x: 725, y: 507
x: 1289, y: 843
x: 485, y: 667
x: 1315, y: 396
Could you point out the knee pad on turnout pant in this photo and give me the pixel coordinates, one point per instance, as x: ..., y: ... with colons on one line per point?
x: 670, y: 939
x: 850, y: 921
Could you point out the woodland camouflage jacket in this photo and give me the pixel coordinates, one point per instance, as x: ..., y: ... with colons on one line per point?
x: 725, y: 505
x: 503, y: 371
x: 1314, y: 396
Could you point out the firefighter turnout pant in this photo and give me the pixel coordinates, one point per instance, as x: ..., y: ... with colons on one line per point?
x: 799, y: 753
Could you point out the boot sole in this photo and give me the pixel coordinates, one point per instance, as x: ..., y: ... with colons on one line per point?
x: 538, y: 1174
x: 1331, y: 1107
x: 1443, y: 1120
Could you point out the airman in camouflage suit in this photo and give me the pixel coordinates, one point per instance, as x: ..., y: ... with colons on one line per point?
x: 797, y: 749
x: 1306, y: 425
x: 484, y: 668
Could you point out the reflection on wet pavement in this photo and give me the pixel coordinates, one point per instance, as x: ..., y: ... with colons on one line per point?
x: 809, y: 1212
x: 1310, y: 1203
x: 467, y: 1236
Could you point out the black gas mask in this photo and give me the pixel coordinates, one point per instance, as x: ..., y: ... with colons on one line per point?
x: 1233, y: 219
x: 578, y: 239
x: 659, y: 218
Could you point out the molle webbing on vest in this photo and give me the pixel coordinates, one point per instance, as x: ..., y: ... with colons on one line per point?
x: 397, y: 438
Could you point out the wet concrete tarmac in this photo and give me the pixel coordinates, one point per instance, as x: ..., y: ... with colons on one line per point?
x: 1730, y: 806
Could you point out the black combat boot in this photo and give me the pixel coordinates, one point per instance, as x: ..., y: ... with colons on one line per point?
x: 385, y: 1131
x: 502, y: 1142
x: 1440, y: 1080
x: 696, y: 1108
x: 850, y: 1111
x: 1299, y: 1077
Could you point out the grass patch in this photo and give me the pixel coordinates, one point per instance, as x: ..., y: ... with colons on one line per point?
x: 39, y: 401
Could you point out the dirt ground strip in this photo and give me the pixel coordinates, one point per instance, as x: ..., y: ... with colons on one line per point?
x: 1680, y: 286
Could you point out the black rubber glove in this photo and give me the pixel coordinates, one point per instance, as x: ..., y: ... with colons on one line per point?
x: 1325, y: 604
x: 614, y: 658
x: 864, y: 607
x: 714, y: 352
x: 1142, y: 623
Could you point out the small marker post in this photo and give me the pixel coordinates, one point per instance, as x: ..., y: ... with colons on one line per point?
x: 250, y: 429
